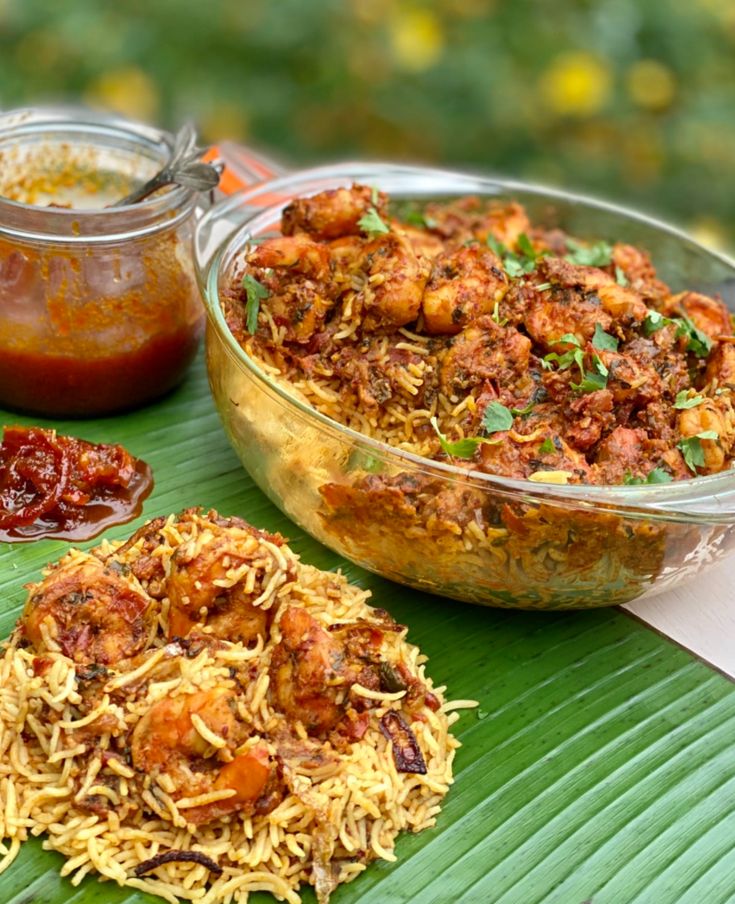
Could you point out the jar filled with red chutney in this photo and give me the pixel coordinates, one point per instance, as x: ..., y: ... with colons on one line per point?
x: 99, y: 308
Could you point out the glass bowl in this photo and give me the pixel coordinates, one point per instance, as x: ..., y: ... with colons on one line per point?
x: 99, y: 306
x: 517, y: 544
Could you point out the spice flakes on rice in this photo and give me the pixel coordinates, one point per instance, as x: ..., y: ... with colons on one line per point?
x: 197, y: 714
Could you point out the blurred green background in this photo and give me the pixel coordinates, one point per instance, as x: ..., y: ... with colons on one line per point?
x: 630, y: 99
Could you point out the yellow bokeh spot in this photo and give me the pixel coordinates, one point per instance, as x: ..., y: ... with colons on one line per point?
x: 710, y: 232
x: 651, y: 85
x: 416, y: 38
x: 127, y: 90
x: 577, y: 83
x: 223, y: 119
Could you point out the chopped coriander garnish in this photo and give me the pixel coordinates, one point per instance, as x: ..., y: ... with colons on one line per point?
x: 522, y: 412
x: 494, y: 245
x: 691, y: 449
x: 416, y: 218
x: 657, y: 475
x: 497, y: 418
x: 654, y: 321
x: 361, y: 460
x: 573, y: 355
x: 599, y: 365
x: 374, y: 196
x: 526, y: 247
x: 547, y: 447
x: 516, y: 267
x: 683, y: 400
x: 569, y: 339
x: 698, y: 343
x: 371, y: 223
x: 604, y: 340
x: 599, y: 254
x: 501, y: 321
x: 255, y: 293
x: 515, y: 264
x: 620, y: 278
x: 461, y: 448
x: 593, y: 380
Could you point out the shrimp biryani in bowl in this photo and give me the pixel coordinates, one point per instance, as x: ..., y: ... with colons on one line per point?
x: 197, y: 714
x: 499, y: 393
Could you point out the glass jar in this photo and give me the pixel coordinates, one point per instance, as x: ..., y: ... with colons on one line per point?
x: 99, y: 307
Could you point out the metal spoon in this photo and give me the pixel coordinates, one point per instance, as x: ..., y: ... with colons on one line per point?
x: 183, y: 168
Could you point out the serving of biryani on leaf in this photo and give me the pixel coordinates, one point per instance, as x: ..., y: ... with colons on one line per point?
x: 197, y: 714
x: 462, y: 332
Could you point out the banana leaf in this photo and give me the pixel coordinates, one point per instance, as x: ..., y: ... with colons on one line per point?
x: 600, y: 763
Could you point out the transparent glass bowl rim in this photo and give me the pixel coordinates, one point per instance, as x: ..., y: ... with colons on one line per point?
x: 107, y: 224
x: 679, y: 501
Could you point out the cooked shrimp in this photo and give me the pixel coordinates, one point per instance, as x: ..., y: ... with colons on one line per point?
x: 628, y: 379
x: 620, y: 302
x: 720, y: 371
x: 464, y: 284
x: 93, y: 613
x: 626, y: 451
x: 148, y: 568
x: 640, y: 273
x: 549, y: 315
x: 591, y: 414
x: 468, y: 218
x: 708, y: 314
x: 295, y: 272
x: 296, y: 253
x: 425, y: 244
x: 513, y: 458
x: 705, y: 417
x: 303, y: 672
x: 172, y: 739
x: 505, y: 222
x: 202, y: 589
x: 485, y: 350
x: 395, y: 279
x: 334, y: 213
x: 312, y: 670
